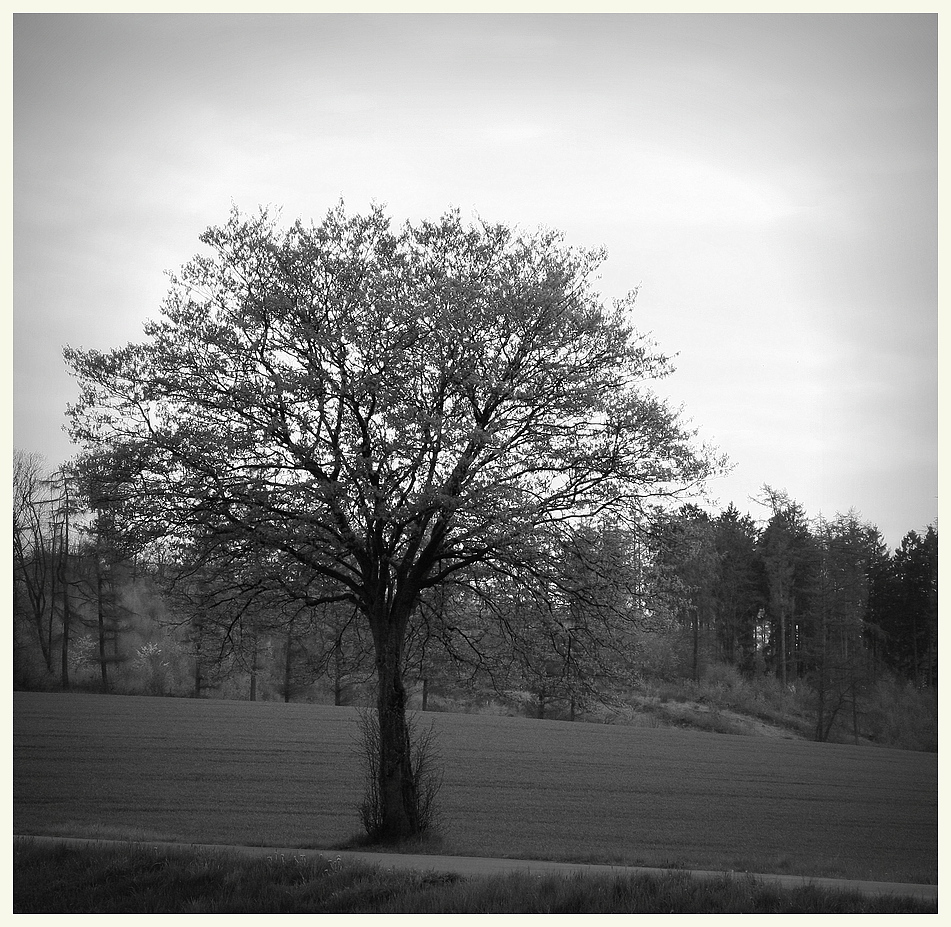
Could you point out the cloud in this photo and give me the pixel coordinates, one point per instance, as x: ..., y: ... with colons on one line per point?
x: 771, y: 182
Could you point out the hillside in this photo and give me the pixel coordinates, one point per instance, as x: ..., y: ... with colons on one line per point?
x: 724, y: 702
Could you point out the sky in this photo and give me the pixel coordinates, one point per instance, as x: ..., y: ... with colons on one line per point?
x: 768, y: 182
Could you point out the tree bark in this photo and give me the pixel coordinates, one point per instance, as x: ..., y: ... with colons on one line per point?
x: 397, y: 785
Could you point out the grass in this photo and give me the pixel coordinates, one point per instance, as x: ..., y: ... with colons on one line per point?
x: 62, y: 880
x: 270, y: 774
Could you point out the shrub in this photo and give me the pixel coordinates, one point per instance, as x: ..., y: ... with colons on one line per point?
x: 899, y: 715
x: 426, y: 763
x: 724, y: 676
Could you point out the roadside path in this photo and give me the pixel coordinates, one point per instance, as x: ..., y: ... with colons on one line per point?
x: 483, y: 866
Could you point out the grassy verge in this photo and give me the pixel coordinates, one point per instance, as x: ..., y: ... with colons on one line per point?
x: 105, y: 880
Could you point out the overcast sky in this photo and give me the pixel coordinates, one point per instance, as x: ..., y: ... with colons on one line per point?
x: 768, y: 181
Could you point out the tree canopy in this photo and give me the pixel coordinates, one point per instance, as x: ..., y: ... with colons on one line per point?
x: 353, y: 396
x: 385, y: 409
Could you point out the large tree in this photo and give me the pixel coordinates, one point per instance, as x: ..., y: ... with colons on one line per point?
x: 788, y: 550
x: 686, y: 565
x: 387, y: 408
x: 846, y: 550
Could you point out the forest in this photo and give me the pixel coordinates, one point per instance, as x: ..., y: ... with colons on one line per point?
x: 817, y: 606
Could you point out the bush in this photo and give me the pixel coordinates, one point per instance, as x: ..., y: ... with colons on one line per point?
x: 899, y: 715
x: 662, y: 654
x: 426, y: 764
x: 724, y: 676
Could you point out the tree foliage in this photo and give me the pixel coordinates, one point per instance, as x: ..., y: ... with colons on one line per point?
x: 388, y: 409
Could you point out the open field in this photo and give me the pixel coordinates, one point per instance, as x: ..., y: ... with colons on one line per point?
x: 273, y: 774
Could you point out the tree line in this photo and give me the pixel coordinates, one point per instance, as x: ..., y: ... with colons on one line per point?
x: 421, y: 453
x: 818, y: 601
x: 822, y: 601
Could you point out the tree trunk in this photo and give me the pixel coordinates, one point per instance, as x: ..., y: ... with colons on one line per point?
x: 65, y: 649
x: 397, y: 785
x: 540, y: 710
x: 914, y: 644
x: 67, y: 616
x: 338, y: 676
x: 855, y: 714
x: 51, y: 612
x: 101, y: 618
x: 254, y: 669
x: 932, y: 629
x: 35, y: 572
x: 782, y: 643
x: 196, y: 631
x: 64, y: 582
x: 288, y: 661
x: 821, y: 687
x: 696, y: 645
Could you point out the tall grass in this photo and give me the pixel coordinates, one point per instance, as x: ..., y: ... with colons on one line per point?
x: 106, y: 880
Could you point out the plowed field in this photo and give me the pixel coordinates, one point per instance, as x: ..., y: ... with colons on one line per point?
x: 287, y: 775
